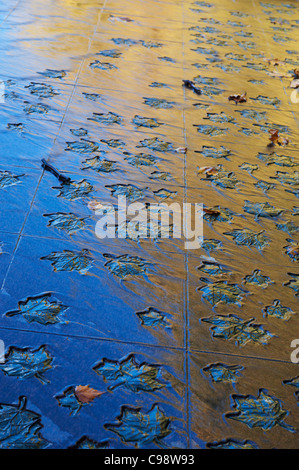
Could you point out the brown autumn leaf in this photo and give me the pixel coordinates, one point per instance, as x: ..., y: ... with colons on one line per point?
x: 208, y: 170
x: 276, y: 21
x: 296, y: 73
x: 85, y: 394
x: 275, y: 138
x: 211, y: 211
x: 275, y: 62
x: 273, y: 135
x: 238, y: 98
x: 191, y: 85
x: 181, y: 150
x: 121, y: 19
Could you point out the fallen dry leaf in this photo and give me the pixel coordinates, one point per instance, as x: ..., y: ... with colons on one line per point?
x: 85, y: 394
x: 208, y: 170
x: 275, y: 138
x: 211, y: 211
x: 296, y: 73
x: 191, y: 86
x: 275, y: 21
x: 181, y: 150
x: 238, y: 98
x: 274, y: 135
x: 122, y: 19
x: 275, y: 62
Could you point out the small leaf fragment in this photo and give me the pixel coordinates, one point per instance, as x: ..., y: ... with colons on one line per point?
x: 242, y: 98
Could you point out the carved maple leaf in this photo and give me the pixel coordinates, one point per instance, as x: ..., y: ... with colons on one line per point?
x: 131, y: 192
x: 8, y: 179
x: 125, y: 265
x: 159, y: 103
x: 257, y: 279
x: 40, y: 309
x: 130, y: 374
x: 43, y: 90
x: 261, y: 209
x: 156, y: 144
x: 293, y: 283
x: 141, y: 121
x: 264, y: 411
x: 26, y: 363
x: 234, y: 327
x: 153, y: 317
x: 72, y: 190
x: 20, y: 428
x: 82, y: 146
x: 141, y: 428
x: 279, y: 311
x: 232, y: 444
x: 108, y: 118
x: 68, y: 222
x: 223, y: 373
x: 100, y: 165
x: 292, y: 250
x: 87, y: 443
x: 294, y: 382
x: 67, y: 260
x: 248, y: 237
x: 221, y: 291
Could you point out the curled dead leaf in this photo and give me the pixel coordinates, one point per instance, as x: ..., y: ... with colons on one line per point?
x: 121, y: 19
x: 276, y: 21
x: 181, y: 150
x: 275, y: 62
x: 85, y: 394
x: 275, y: 138
x: 273, y: 135
x: 211, y: 211
x: 238, y: 98
x: 189, y: 84
x: 208, y: 170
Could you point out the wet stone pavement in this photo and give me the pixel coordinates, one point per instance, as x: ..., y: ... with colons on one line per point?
x: 125, y: 343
